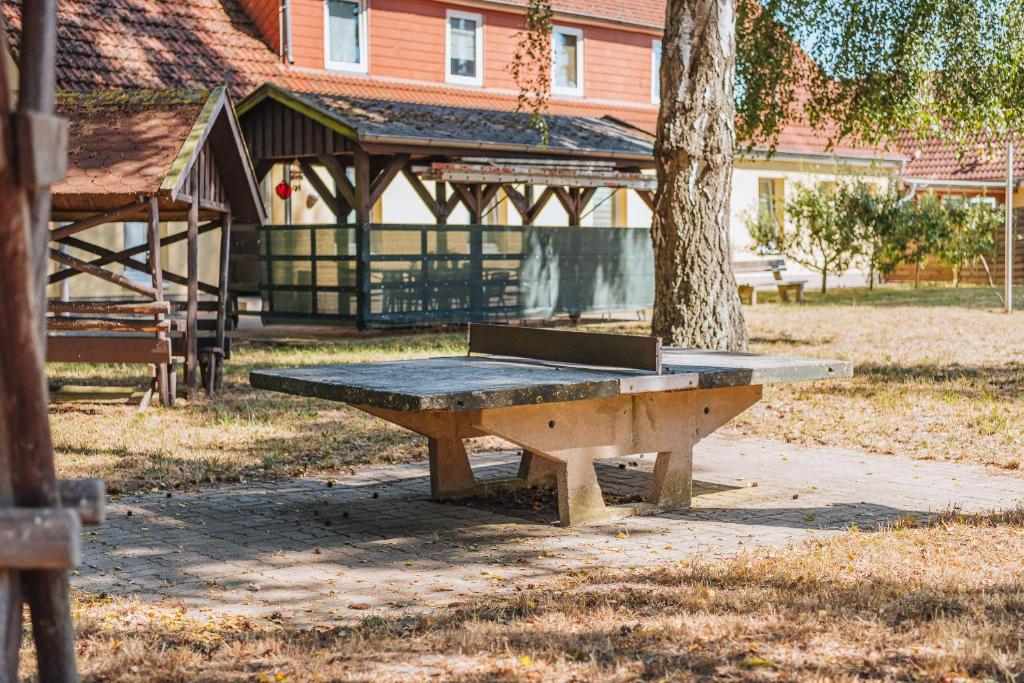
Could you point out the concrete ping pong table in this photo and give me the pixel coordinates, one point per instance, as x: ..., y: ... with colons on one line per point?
x: 565, y: 398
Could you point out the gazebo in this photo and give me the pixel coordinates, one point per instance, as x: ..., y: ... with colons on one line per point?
x: 377, y: 274
x: 148, y: 160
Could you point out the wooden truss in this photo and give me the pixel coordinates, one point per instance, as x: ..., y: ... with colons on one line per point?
x: 147, y: 329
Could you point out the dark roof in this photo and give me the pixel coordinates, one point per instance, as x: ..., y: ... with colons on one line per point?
x: 394, y: 122
x: 129, y: 143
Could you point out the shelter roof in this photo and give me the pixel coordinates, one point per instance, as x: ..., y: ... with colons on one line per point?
x: 414, y: 124
x: 128, y: 144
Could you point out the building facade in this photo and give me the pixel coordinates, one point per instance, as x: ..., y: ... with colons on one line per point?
x: 430, y: 65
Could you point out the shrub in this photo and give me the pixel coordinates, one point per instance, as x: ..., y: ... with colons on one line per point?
x: 817, y: 235
x: 970, y: 236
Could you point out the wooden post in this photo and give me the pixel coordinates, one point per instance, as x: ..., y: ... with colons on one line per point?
x: 362, y: 209
x: 156, y: 270
x: 1008, y: 242
x: 476, y: 255
x: 222, y: 297
x: 24, y: 416
x: 192, y: 311
x: 528, y: 196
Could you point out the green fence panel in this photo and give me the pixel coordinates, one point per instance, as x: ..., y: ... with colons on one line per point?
x: 429, y: 274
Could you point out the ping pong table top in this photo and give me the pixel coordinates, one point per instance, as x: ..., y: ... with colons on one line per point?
x: 459, y: 383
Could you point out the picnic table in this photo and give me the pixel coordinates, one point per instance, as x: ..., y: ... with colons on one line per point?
x: 566, y: 398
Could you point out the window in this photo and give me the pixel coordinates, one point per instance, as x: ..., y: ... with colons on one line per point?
x: 656, y: 71
x: 135, y: 236
x: 567, y: 61
x: 464, y: 48
x: 771, y: 199
x: 345, y: 35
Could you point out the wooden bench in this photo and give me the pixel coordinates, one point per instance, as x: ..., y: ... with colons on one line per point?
x: 115, y: 332
x: 775, y: 266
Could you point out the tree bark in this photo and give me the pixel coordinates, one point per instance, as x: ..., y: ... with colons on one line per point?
x: 696, y: 301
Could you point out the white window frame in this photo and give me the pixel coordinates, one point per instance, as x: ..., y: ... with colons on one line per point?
x: 580, y: 61
x: 449, y: 77
x: 655, y: 71
x: 361, y: 67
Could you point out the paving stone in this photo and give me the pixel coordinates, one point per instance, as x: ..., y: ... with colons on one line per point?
x: 289, y: 547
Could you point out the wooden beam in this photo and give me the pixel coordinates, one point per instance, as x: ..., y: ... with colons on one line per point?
x: 518, y: 201
x: 110, y: 216
x: 262, y: 168
x: 337, y: 172
x: 109, y: 256
x: 567, y: 201
x: 157, y: 275
x: 489, y: 193
x: 107, y: 350
x: 386, y: 175
x: 86, y: 497
x: 39, y: 538
x: 539, y: 205
x: 336, y: 205
x: 211, y: 205
x: 467, y: 196
x: 107, y: 325
x: 648, y: 197
x: 362, y: 207
x: 109, y: 307
x: 182, y: 280
x: 192, y: 314
x: 222, y: 294
x: 26, y: 456
x: 423, y: 192
x: 102, y: 274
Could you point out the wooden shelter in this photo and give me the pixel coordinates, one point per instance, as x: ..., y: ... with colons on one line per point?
x: 449, y: 156
x: 149, y: 157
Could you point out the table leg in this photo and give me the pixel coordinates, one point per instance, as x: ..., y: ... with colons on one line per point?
x: 579, y: 495
x: 450, y: 473
x: 536, y: 470
x: 672, y: 485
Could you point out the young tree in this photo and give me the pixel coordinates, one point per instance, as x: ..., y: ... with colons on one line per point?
x: 818, y: 233
x: 874, y: 216
x: 924, y: 227
x: 865, y: 70
x: 970, y: 235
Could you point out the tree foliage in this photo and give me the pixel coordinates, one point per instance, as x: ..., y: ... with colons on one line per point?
x: 923, y: 227
x: 876, y: 219
x: 871, y: 70
x: 531, y: 64
x: 970, y: 235
x: 816, y: 234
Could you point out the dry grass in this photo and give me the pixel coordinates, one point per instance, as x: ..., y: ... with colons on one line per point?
x: 942, y: 602
x: 938, y: 376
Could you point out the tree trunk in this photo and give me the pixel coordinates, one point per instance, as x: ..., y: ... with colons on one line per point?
x: 696, y: 301
x: 824, y: 281
x: 917, y: 273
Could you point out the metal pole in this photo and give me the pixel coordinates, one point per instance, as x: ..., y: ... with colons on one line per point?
x: 1008, y: 246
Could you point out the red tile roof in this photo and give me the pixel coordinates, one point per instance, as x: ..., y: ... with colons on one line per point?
x: 155, y: 44
x: 641, y: 12
x: 124, y: 142
x: 203, y: 43
x: 937, y: 159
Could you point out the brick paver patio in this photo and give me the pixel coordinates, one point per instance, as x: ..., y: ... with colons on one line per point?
x: 313, y: 549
